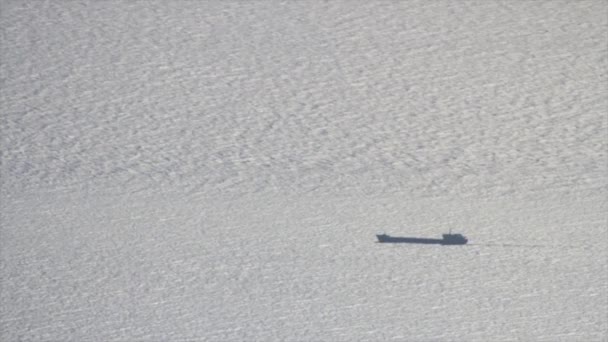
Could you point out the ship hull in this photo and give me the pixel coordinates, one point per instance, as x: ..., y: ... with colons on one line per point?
x: 447, y: 240
x: 393, y: 239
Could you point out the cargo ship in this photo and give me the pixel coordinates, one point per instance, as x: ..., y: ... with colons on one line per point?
x: 448, y: 239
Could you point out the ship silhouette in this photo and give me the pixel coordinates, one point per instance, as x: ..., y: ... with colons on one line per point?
x: 448, y: 239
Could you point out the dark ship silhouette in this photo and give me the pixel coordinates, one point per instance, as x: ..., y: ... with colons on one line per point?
x: 448, y: 239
